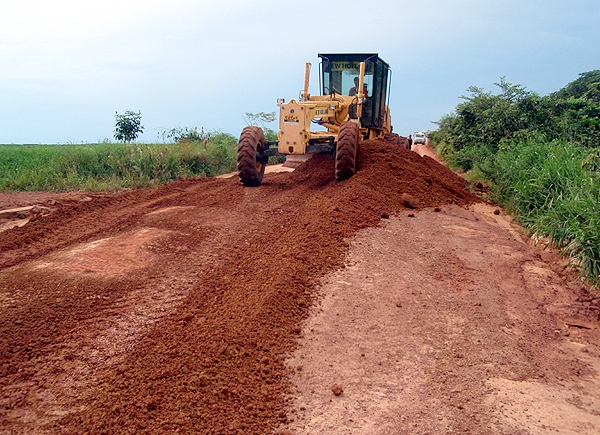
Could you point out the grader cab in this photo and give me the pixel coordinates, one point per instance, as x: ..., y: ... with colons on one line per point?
x: 352, y: 107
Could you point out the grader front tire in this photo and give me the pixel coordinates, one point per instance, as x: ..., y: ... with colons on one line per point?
x: 250, y: 165
x: 346, y: 151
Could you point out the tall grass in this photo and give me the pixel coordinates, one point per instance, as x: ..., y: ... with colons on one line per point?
x: 112, y: 166
x: 554, y: 190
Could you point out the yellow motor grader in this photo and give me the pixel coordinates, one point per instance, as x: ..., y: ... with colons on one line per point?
x: 352, y: 107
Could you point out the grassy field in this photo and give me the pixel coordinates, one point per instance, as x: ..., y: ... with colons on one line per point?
x: 112, y: 166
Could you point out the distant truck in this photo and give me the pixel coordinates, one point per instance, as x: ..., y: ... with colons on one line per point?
x: 419, y: 138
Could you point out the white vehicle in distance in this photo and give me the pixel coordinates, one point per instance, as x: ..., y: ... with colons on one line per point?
x: 419, y: 138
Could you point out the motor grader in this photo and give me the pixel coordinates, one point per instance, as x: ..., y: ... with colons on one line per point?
x: 352, y: 107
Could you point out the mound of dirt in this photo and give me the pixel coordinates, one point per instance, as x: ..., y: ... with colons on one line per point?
x: 192, y: 339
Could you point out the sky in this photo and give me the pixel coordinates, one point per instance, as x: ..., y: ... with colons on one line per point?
x: 66, y: 67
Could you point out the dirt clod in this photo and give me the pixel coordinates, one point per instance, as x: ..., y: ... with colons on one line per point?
x: 408, y: 201
x: 337, y: 390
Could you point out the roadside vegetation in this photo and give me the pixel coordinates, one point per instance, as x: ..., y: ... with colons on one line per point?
x: 112, y: 166
x: 540, y: 155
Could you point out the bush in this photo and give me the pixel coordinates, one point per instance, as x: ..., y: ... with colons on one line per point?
x: 182, y: 134
x: 473, y: 133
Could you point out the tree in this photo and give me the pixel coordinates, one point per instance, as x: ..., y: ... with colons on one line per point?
x: 480, y: 124
x: 586, y: 86
x: 262, y: 119
x: 128, y: 125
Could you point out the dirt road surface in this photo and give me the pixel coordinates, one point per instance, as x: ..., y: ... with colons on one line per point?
x: 204, y: 307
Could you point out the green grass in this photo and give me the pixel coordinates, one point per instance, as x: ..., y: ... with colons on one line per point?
x: 112, y: 166
x: 555, y: 192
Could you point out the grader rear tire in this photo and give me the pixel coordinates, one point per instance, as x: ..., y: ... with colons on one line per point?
x: 346, y: 151
x: 250, y: 165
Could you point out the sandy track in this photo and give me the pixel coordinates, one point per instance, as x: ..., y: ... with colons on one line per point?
x: 175, y: 309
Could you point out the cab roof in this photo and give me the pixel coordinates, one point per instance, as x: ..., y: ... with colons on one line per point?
x: 354, y: 57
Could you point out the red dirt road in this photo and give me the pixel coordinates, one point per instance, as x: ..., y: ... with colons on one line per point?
x: 179, y: 309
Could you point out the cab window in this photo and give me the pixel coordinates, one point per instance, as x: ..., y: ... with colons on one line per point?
x: 340, y: 79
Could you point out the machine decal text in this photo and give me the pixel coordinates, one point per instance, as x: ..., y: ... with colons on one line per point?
x: 290, y: 119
